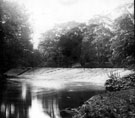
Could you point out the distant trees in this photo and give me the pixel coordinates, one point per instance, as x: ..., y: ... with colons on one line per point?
x: 96, y: 42
x: 15, y: 35
x: 99, y: 43
x: 70, y: 44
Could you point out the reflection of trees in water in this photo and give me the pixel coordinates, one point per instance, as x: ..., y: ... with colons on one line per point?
x: 50, y: 104
x: 16, y: 101
x: 12, y: 105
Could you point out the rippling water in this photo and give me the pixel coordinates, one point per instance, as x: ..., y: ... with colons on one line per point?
x: 36, y: 98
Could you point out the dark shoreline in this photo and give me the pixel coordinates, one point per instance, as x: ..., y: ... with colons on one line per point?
x: 119, y: 103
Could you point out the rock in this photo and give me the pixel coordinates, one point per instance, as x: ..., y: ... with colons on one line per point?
x: 118, y: 104
x: 121, y: 83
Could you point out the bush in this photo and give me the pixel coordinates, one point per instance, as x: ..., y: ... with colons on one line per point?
x: 116, y: 83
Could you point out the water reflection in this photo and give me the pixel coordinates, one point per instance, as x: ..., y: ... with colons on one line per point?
x: 12, y: 105
x: 21, y: 100
x: 45, y: 106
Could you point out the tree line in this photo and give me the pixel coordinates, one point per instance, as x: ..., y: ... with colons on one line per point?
x: 102, y: 42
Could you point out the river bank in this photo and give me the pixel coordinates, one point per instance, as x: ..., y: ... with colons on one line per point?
x: 115, y: 103
x: 69, y: 88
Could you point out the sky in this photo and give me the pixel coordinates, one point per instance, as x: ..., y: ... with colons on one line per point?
x: 44, y: 14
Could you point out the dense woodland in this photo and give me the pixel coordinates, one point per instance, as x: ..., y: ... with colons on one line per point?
x: 101, y: 42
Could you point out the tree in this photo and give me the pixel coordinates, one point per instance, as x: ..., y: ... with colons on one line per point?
x: 123, y: 43
x: 101, y: 42
x: 87, y: 47
x: 49, y: 47
x: 15, y: 35
x: 96, y: 42
x: 56, y: 44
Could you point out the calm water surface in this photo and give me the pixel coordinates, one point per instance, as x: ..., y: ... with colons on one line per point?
x: 19, y: 99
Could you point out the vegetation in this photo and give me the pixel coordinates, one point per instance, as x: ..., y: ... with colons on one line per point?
x: 118, y: 102
x: 101, y: 42
x: 16, y: 49
x: 116, y: 83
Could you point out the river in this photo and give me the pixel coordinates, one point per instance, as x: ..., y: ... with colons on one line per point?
x: 50, y: 92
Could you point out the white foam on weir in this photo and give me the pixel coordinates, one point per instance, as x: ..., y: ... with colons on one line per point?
x: 49, y: 84
x: 57, y: 78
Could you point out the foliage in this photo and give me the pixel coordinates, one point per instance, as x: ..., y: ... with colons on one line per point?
x: 15, y: 35
x: 120, y: 104
x: 117, y: 104
x: 116, y: 83
x: 70, y: 45
x: 62, y: 46
x: 101, y: 42
x: 49, y: 47
x: 81, y: 44
x: 123, y: 43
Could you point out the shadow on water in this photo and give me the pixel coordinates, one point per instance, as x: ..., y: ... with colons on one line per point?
x: 19, y: 100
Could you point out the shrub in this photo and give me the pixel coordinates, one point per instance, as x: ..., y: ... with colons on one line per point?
x: 116, y: 82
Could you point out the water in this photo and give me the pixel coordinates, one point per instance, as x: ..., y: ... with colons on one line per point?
x: 43, y: 98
